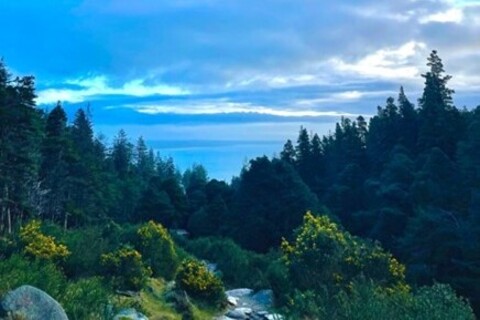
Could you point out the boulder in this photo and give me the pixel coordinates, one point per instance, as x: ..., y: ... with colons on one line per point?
x: 30, y: 303
x: 274, y: 316
x: 239, y: 313
x: 237, y: 293
x: 130, y: 314
x: 232, y: 301
x: 263, y: 298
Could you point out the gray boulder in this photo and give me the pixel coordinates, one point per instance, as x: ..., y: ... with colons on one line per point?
x: 239, y: 313
x: 31, y: 303
x: 263, y: 298
x: 237, y: 293
x: 130, y: 314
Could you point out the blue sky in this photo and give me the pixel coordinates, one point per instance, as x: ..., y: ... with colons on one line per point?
x: 221, y: 81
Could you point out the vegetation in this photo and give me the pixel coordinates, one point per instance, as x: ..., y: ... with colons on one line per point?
x: 159, y: 250
x: 399, y: 235
x: 195, y: 278
x: 127, y: 269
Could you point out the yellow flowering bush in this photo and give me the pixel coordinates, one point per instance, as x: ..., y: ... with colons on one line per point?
x: 199, y: 282
x: 126, y: 268
x: 324, y: 255
x: 40, y: 245
x: 158, y: 250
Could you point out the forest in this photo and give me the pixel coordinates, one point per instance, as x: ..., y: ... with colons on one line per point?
x: 379, y: 217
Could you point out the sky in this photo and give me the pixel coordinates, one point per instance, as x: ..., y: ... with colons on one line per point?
x: 219, y: 82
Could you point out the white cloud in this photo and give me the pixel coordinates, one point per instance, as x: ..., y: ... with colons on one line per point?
x: 275, y: 80
x: 98, y: 86
x: 453, y: 15
x: 389, y: 63
x: 223, y: 107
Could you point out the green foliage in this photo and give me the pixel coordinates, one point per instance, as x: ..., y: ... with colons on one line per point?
x: 18, y: 270
x: 269, y: 190
x: 158, y: 250
x: 86, y: 246
x: 238, y: 267
x: 195, y: 278
x: 441, y: 302
x: 126, y: 268
x: 86, y: 299
x: 364, y: 300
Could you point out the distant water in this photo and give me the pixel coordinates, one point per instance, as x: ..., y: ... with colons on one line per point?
x: 222, y: 159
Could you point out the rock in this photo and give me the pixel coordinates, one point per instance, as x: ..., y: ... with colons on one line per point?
x: 130, y: 314
x: 239, y: 313
x: 232, y: 301
x: 245, y: 304
x: 237, y: 293
x: 274, y: 316
x: 263, y: 298
x: 30, y: 303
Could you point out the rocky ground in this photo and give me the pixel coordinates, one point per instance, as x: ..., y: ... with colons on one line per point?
x: 247, y: 304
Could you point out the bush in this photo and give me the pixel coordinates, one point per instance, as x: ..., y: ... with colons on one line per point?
x: 195, y: 278
x: 40, y: 245
x: 126, y: 268
x: 19, y: 270
x: 86, y: 299
x: 238, y: 267
x: 324, y: 255
x: 366, y: 300
x: 440, y: 302
x: 158, y: 250
x: 86, y: 246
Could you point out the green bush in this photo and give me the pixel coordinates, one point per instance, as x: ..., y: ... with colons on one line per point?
x: 195, y: 278
x: 158, y: 249
x: 19, y: 270
x: 365, y: 300
x: 86, y: 299
x: 440, y: 302
x: 238, y: 267
x: 126, y: 268
x: 86, y: 246
x: 8, y: 246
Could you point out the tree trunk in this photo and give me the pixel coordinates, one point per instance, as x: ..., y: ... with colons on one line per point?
x: 65, y: 221
x: 9, y: 220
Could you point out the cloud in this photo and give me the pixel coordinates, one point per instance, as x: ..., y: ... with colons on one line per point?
x: 453, y: 15
x: 387, y: 63
x: 228, y: 107
x: 88, y: 88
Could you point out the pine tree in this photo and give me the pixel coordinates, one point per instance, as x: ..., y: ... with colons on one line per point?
x: 440, y: 123
x: 288, y: 153
x: 20, y: 133
x: 56, y: 161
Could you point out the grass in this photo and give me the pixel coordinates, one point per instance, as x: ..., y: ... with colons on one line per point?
x: 152, y: 302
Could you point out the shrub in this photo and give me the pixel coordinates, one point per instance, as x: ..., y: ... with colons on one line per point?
x: 195, y: 278
x: 18, y: 270
x: 366, y: 300
x: 440, y: 302
x: 86, y: 246
x: 238, y: 267
x: 324, y: 255
x: 40, y: 245
x: 86, y: 299
x: 126, y: 268
x: 159, y: 250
